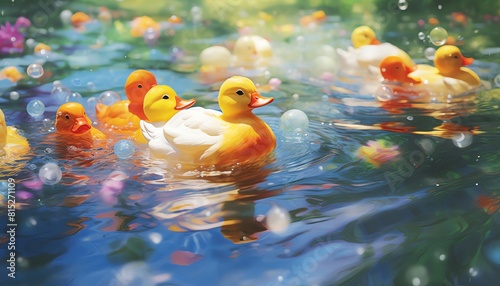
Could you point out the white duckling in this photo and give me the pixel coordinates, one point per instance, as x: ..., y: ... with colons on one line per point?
x: 367, y: 51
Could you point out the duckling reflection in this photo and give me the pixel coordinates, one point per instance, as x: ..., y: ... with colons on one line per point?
x: 221, y: 201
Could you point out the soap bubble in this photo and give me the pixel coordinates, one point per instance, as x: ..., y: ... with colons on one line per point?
x: 277, y: 219
x: 50, y: 174
x: 124, y: 149
x: 274, y: 83
x: 462, y: 139
x: 109, y: 97
x: 14, y: 95
x: 384, y: 93
x: 403, y: 5
x: 438, y: 36
x: 150, y: 36
x: 60, y: 93
x: 90, y: 106
x: 91, y: 86
x: 294, y: 120
x: 74, y: 97
x: 66, y: 16
x: 421, y: 36
x: 76, y: 81
x: 35, y: 108
x: 429, y: 53
x: 496, y: 80
x: 35, y: 70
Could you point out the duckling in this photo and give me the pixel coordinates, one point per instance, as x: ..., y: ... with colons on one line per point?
x: 205, y: 137
x: 73, y: 127
x: 12, y: 145
x: 368, y: 52
x: 393, y: 69
x: 11, y: 73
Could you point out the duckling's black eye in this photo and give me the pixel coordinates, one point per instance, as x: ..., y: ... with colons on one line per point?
x: 139, y: 85
x: 455, y: 56
x: 165, y: 97
x: 240, y: 92
x: 67, y: 116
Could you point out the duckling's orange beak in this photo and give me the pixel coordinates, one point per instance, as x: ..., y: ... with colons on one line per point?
x: 183, y: 104
x: 257, y: 100
x: 375, y: 41
x: 81, y: 125
x: 467, y: 61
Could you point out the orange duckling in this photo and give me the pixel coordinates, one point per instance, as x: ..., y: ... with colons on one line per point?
x: 126, y: 114
x: 142, y: 24
x: 11, y: 73
x: 73, y: 127
x: 393, y: 69
x: 79, y: 18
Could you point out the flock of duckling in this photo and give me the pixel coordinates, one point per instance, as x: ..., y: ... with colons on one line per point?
x: 155, y: 115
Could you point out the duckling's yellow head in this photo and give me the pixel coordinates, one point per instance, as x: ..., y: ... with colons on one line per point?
x: 3, y: 129
x: 238, y: 94
x: 72, y: 119
x: 362, y: 36
x: 161, y: 103
x: 448, y: 59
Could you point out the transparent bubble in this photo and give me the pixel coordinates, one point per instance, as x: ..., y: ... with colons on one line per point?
x: 278, y: 219
x: 124, y: 149
x: 35, y: 108
x: 35, y: 70
x: 76, y: 82
x: 150, y: 36
x: 66, y: 16
x: 90, y: 106
x: 109, y: 97
x: 196, y: 13
x: 496, y: 80
x: 463, y: 139
x: 91, y: 86
x: 429, y: 53
x: 60, y: 93
x: 384, y: 93
x: 274, y: 83
x: 421, y: 36
x: 403, y: 5
x: 438, y: 36
x: 30, y: 43
x: 14, y: 95
x: 50, y: 174
x: 295, y: 121
x: 74, y: 97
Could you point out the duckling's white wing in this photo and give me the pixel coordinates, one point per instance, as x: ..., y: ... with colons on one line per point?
x: 347, y: 57
x: 195, y: 132
x: 151, y: 130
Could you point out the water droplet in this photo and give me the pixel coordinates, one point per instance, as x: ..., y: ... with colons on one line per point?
x: 14, y: 95
x: 438, y: 36
x: 109, y: 97
x: 442, y: 257
x: 35, y: 108
x: 429, y: 53
x: 35, y: 70
x: 295, y: 96
x: 440, y: 7
x: 50, y: 174
x: 74, y: 97
x: 421, y: 36
x: 410, y: 118
x: 403, y: 5
x: 294, y: 121
x: 277, y: 219
x: 496, y: 80
x: 66, y: 16
x: 124, y: 149
x: 463, y: 139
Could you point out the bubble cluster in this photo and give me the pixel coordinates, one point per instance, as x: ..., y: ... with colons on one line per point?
x: 50, y: 174
x: 438, y: 36
x: 35, y: 70
x: 35, y: 108
x: 109, y: 97
x: 294, y: 121
x: 124, y: 149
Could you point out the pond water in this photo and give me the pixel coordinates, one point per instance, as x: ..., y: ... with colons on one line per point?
x: 318, y: 212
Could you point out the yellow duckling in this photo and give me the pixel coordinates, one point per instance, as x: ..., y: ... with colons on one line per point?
x: 73, y: 127
x: 368, y: 52
x: 12, y: 145
x: 252, y: 52
x: 204, y: 137
x: 448, y: 77
x: 11, y: 73
x: 141, y: 24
